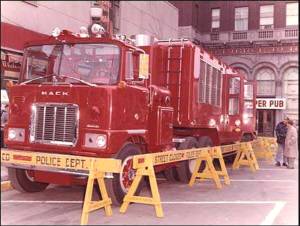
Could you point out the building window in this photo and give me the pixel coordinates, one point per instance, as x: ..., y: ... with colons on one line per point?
x: 292, y: 14
x: 215, y: 19
x: 266, y: 16
x: 265, y: 82
x: 241, y: 19
x: 242, y: 72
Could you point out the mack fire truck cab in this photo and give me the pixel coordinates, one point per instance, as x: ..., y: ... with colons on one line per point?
x: 102, y: 96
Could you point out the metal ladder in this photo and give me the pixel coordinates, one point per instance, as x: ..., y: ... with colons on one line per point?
x: 169, y: 60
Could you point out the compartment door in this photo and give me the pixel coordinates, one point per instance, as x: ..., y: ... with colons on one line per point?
x: 164, y: 125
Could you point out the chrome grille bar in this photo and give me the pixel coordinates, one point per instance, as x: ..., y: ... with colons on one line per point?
x: 54, y: 124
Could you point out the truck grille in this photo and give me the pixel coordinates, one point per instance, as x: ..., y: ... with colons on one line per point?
x: 54, y: 124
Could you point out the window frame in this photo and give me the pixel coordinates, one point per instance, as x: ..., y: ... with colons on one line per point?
x: 215, y: 20
x: 287, y: 16
x: 262, y: 26
x: 241, y: 19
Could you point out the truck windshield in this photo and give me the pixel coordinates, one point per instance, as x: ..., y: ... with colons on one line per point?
x: 94, y: 63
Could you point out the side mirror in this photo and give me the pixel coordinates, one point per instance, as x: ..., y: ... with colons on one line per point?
x: 144, y: 66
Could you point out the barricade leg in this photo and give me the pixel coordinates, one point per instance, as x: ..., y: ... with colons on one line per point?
x: 235, y: 164
x: 223, y: 172
x: 209, y: 171
x: 245, y: 156
x: 148, y: 170
x: 195, y: 172
x: 90, y: 205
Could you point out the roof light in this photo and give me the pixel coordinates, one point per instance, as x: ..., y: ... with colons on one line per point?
x: 56, y: 32
x: 97, y: 29
x: 83, y: 32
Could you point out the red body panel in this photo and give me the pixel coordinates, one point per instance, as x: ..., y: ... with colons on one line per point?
x: 150, y: 113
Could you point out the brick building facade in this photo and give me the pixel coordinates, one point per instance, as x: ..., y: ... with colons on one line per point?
x: 258, y: 38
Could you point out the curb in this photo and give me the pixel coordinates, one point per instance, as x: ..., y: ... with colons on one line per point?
x: 6, y: 186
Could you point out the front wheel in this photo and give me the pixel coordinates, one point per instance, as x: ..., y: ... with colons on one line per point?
x: 118, y: 186
x: 23, y: 181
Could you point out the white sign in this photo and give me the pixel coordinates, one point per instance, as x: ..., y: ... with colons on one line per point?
x: 270, y: 103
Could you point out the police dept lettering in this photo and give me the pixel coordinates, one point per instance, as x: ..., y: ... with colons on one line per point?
x: 56, y: 161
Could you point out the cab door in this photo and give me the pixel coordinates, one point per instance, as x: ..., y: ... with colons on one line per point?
x: 232, y: 108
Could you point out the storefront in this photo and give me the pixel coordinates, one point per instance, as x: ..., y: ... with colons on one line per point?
x: 10, y: 66
x: 266, y: 113
x: 13, y: 39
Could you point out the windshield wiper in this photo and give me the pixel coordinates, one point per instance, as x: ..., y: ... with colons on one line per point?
x: 59, y: 76
x: 77, y: 79
x: 31, y: 80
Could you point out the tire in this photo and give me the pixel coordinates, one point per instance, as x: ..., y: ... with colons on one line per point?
x: 207, y: 142
x: 116, y: 191
x: 171, y: 174
x: 183, y: 167
x: 22, y: 182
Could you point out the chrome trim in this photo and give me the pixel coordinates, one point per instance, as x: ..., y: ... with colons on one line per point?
x: 178, y: 140
x: 136, y: 131
x: 33, y: 125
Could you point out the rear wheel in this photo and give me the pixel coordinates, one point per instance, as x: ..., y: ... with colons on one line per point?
x: 183, y: 168
x: 186, y: 168
x: 23, y: 181
x: 171, y: 174
x: 118, y: 186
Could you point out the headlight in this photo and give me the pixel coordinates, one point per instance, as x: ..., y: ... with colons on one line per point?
x: 16, y: 134
x: 101, y: 141
x: 237, y: 122
x: 93, y: 140
x: 212, y: 122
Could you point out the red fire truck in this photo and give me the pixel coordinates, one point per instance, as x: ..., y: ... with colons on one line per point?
x: 100, y: 96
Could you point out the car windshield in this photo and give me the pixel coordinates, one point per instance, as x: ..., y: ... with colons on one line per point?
x: 93, y: 63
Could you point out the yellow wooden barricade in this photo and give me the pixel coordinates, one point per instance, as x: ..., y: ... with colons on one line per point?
x: 97, y: 174
x: 145, y: 167
x: 265, y: 147
x: 95, y: 168
x: 245, y: 156
x: 210, y: 172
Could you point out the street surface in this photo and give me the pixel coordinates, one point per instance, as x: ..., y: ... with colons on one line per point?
x: 268, y: 196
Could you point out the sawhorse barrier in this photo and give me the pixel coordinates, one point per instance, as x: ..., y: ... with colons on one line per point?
x: 245, y: 156
x: 145, y: 167
x: 265, y: 147
x: 95, y: 168
x: 209, y: 171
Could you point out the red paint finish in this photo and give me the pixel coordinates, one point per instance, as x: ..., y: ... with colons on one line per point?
x: 149, y: 113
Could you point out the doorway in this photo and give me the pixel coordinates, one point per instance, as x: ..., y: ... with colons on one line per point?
x: 265, y: 122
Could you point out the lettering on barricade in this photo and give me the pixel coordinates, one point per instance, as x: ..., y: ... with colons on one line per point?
x: 61, y: 162
x: 5, y: 156
x: 48, y: 161
x: 161, y: 158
